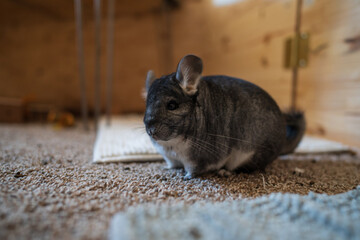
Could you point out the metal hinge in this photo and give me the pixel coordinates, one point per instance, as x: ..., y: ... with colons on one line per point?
x: 296, y: 51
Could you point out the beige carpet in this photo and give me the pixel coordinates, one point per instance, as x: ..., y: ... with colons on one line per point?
x: 51, y: 190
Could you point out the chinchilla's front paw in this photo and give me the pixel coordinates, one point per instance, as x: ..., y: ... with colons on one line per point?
x: 191, y: 173
x: 188, y: 176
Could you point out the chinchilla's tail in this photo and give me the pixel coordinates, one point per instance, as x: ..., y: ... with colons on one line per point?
x: 295, y: 129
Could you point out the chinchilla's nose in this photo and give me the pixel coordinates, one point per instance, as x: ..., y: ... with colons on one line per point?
x: 151, y: 131
x: 150, y: 125
x: 149, y: 120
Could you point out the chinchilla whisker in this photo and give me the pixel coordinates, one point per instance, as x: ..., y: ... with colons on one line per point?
x: 140, y: 129
x: 212, y: 145
x: 211, y: 149
x: 207, y: 149
x: 240, y: 140
x: 198, y: 145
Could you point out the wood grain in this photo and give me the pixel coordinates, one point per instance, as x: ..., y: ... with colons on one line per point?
x: 244, y: 40
x: 329, y: 88
x: 38, y: 53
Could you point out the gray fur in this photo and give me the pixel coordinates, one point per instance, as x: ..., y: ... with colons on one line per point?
x: 226, y: 119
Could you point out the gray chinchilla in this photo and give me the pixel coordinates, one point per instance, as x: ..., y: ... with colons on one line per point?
x: 208, y: 123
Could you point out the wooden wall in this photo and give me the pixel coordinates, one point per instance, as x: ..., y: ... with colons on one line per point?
x: 329, y: 88
x: 38, y: 52
x: 245, y: 40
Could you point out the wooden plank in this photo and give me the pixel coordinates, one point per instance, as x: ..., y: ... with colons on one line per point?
x: 329, y: 88
x: 39, y: 59
x: 244, y: 40
x: 37, y: 11
x: 12, y: 110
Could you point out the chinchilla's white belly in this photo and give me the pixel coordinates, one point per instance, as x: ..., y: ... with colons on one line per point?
x: 177, y: 150
x: 234, y: 160
x: 237, y: 158
x: 174, y: 149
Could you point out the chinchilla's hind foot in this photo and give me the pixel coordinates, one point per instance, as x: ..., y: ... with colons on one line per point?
x: 224, y: 173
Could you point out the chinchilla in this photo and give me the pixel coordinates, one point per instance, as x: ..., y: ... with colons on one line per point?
x: 208, y: 123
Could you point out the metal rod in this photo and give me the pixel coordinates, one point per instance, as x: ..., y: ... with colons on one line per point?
x: 80, y: 53
x: 110, y: 59
x: 295, y: 70
x: 97, y: 102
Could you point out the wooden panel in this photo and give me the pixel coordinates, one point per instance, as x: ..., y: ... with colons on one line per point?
x: 37, y: 11
x: 244, y: 40
x: 38, y: 54
x: 329, y: 89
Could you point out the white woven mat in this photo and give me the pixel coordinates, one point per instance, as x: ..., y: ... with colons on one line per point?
x: 126, y: 141
x: 319, y: 145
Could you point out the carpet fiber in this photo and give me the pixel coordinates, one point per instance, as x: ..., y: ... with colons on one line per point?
x: 50, y: 189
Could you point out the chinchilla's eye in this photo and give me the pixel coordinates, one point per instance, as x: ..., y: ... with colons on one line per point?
x: 172, y: 105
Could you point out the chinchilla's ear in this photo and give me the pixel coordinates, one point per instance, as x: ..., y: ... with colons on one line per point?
x: 189, y: 73
x: 150, y: 78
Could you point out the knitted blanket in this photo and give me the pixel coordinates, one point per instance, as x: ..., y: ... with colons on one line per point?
x: 275, y: 216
